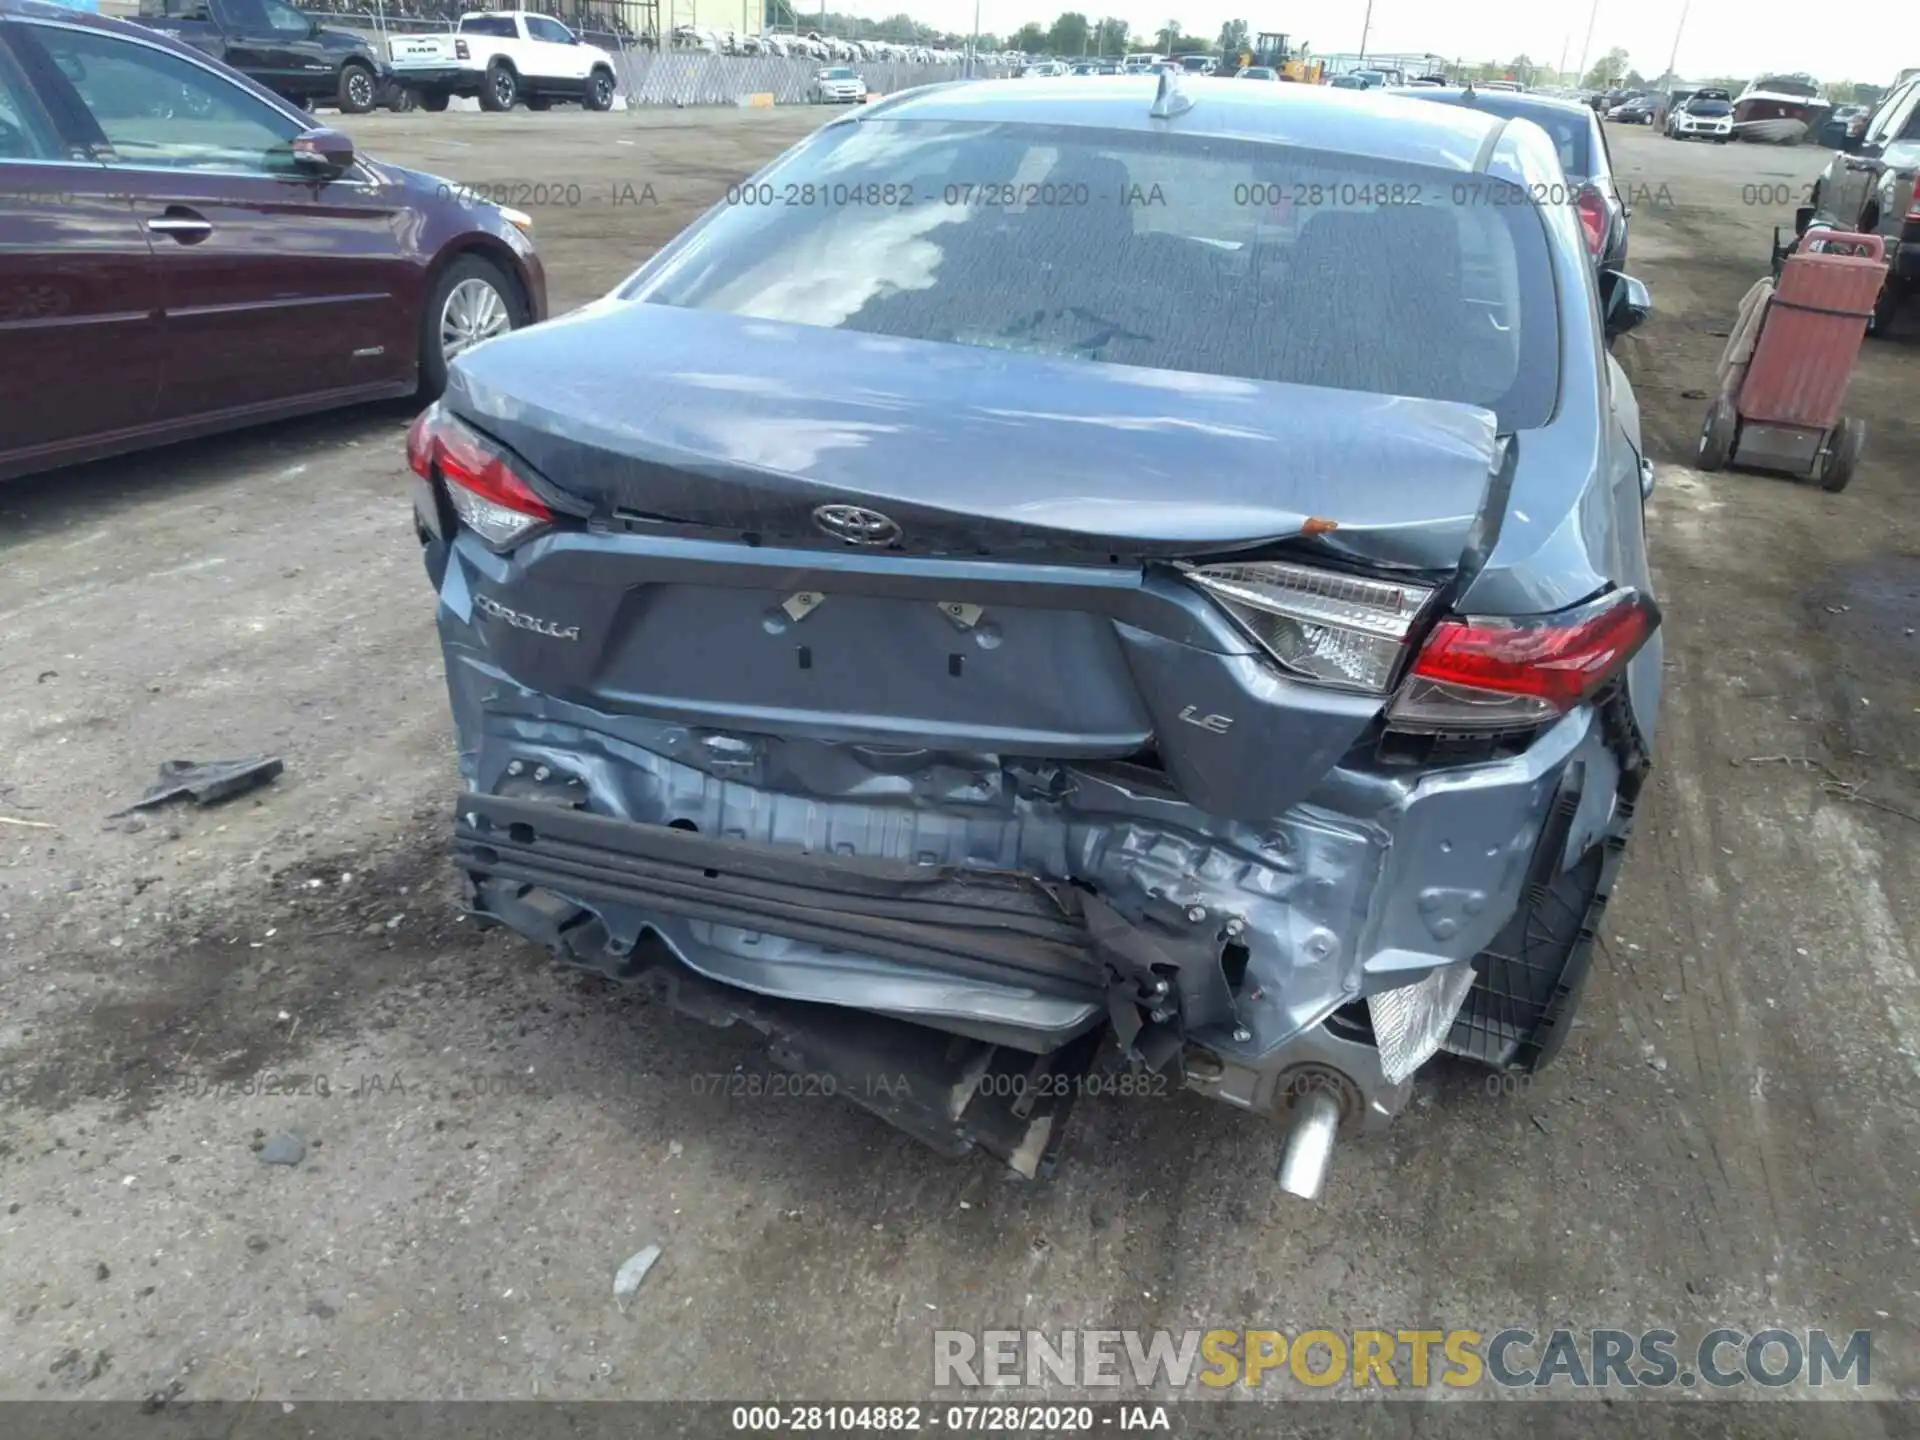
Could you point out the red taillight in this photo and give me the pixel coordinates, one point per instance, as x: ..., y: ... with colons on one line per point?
x: 1477, y: 674
x: 1592, y: 206
x: 420, y: 444
x: 487, y: 493
x: 1913, y: 202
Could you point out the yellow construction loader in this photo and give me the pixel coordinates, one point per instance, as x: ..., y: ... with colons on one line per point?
x: 1271, y: 49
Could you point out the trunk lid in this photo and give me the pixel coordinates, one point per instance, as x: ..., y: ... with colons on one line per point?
x: 696, y: 418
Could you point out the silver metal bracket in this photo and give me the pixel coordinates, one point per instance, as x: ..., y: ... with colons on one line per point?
x: 801, y: 604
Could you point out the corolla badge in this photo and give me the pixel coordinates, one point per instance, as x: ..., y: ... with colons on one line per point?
x: 856, y: 525
x: 520, y: 621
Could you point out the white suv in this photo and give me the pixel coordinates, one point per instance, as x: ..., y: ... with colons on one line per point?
x: 1706, y: 115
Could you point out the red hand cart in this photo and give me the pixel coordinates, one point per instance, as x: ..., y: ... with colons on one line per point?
x: 1784, y: 374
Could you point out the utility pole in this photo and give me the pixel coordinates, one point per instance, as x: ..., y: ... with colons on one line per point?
x: 1365, y: 25
x: 1674, y: 57
x: 1587, y: 43
x: 1560, y: 70
x: 973, y: 45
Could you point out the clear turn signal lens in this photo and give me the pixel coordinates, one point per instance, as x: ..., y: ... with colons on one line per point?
x: 1320, y: 625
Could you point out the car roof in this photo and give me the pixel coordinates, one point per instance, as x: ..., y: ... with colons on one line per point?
x: 1319, y: 117
x: 1508, y: 104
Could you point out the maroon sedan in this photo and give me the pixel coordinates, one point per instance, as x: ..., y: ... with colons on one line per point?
x: 182, y: 252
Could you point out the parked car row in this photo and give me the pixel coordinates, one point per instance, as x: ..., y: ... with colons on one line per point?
x: 1872, y: 185
x: 1840, y: 123
x: 818, y: 46
x: 1050, y: 69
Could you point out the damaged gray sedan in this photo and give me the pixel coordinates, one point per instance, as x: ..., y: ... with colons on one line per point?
x: 1070, y: 560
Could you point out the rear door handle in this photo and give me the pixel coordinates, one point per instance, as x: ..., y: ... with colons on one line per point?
x: 186, y: 226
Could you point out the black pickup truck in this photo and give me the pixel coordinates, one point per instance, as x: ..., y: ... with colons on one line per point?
x: 283, y: 49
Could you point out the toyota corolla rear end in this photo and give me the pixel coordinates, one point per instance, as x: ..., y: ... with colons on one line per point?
x: 892, y: 628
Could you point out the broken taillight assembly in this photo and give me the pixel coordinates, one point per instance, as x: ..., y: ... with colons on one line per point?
x: 1592, y: 208
x: 1475, y: 675
x: 486, y: 490
x: 1471, y: 675
x: 1321, y: 625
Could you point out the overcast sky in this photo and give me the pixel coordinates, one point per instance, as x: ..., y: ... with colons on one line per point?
x: 1721, y: 37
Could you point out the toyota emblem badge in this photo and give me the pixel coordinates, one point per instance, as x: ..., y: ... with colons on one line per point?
x: 856, y: 525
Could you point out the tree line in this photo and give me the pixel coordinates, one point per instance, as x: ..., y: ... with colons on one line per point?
x: 1074, y: 34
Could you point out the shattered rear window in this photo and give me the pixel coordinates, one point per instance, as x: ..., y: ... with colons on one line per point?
x: 1218, y: 257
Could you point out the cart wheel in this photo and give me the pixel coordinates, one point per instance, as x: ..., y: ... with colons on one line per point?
x: 1886, y: 309
x: 1843, y: 453
x: 1717, y: 434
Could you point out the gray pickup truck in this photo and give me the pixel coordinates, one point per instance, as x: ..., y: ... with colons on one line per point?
x: 284, y: 49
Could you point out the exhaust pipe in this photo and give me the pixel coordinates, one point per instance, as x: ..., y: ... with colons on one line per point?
x: 1309, y: 1152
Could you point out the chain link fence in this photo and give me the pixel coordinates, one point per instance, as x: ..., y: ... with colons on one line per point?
x: 692, y: 77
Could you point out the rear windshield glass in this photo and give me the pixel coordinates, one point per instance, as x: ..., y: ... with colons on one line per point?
x: 1571, y: 132
x: 1187, y: 253
x: 501, y: 25
x: 838, y: 72
x: 1709, y: 107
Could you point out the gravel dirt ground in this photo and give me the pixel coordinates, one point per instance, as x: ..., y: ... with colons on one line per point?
x: 1731, y: 1137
